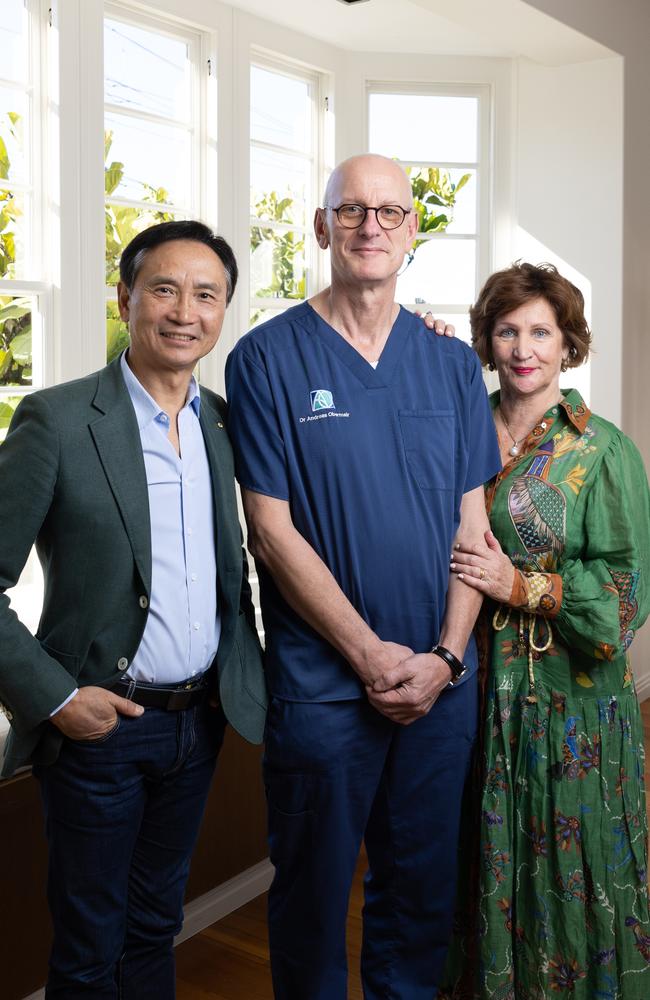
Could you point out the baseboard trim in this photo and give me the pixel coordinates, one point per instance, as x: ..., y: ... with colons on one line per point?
x: 217, y: 903
x: 228, y: 896
x: 642, y: 685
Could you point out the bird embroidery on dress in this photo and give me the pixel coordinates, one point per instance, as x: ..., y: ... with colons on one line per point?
x: 538, y: 512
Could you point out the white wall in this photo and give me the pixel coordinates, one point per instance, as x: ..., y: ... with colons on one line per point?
x: 625, y: 27
x: 569, y: 197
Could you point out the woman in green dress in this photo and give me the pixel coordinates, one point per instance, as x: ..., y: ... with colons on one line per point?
x: 561, y: 907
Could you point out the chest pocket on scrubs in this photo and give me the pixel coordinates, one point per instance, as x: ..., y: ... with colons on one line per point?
x: 429, y: 438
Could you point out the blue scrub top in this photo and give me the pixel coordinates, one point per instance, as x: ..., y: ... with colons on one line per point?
x: 373, y: 463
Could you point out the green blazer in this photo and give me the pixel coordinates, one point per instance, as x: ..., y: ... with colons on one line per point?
x: 73, y: 481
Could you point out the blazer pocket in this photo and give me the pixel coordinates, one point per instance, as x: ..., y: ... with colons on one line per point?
x: 429, y: 439
x: 69, y: 661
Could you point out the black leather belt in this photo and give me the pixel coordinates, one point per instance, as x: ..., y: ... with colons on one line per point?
x: 171, y: 699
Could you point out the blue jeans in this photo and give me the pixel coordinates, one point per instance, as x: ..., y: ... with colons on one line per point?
x: 122, y: 816
x: 338, y: 772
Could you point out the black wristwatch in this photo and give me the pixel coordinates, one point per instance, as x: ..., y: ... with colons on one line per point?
x: 457, y: 668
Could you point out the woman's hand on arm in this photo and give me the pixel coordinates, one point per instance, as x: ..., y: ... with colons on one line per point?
x: 486, y: 567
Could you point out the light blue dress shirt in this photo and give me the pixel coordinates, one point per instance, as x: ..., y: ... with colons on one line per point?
x: 183, y: 625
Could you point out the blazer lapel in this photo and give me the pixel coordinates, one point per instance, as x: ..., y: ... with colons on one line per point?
x: 222, y: 470
x: 117, y: 439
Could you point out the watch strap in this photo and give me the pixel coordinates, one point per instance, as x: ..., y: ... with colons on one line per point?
x: 458, y: 669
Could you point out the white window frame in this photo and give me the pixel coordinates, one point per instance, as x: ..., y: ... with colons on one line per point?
x: 483, y: 167
x: 202, y: 203
x: 37, y: 188
x: 315, y: 270
x: 27, y: 595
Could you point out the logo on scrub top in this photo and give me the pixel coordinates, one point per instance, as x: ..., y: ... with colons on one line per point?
x: 321, y: 399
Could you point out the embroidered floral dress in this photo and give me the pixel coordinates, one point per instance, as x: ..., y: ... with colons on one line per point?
x: 557, y: 890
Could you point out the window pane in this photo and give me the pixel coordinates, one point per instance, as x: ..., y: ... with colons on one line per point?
x: 13, y: 40
x: 443, y: 270
x: 444, y: 199
x: 147, y: 71
x: 27, y: 596
x: 424, y: 127
x: 277, y: 264
x: 122, y: 224
x: 258, y: 316
x: 280, y: 109
x: 150, y: 162
x: 465, y: 217
x: 276, y: 177
x: 13, y: 128
x: 15, y: 340
x: 7, y: 406
x: 117, y: 332
x: 14, y: 231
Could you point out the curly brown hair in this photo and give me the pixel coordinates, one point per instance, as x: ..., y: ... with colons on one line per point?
x: 509, y: 289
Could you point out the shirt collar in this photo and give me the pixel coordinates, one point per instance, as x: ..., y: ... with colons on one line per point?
x: 576, y: 409
x: 571, y: 403
x: 145, y: 406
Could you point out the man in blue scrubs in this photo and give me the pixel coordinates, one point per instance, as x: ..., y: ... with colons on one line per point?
x: 362, y: 443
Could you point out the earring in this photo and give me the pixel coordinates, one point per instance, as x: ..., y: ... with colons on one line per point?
x: 564, y: 365
x: 491, y: 366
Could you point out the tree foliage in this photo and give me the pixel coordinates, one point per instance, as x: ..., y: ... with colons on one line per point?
x: 285, y: 246
x: 15, y: 311
x: 122, y: 223
x: 433, y: 189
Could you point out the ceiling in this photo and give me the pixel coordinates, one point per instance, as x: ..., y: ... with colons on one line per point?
x: 445, y: 27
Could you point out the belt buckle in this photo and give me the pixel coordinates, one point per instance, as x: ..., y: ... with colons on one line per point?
x: 178, y: 700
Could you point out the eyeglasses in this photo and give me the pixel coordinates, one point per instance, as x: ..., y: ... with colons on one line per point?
x: 354, y: 216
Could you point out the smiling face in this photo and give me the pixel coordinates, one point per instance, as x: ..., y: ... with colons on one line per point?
x: 369, y: 254
x: 175, y: 308
x: 528, y: 348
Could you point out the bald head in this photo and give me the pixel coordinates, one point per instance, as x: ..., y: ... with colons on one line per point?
x: 374, y: 173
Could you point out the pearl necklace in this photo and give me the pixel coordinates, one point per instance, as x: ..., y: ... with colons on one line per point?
x: 515, y: 449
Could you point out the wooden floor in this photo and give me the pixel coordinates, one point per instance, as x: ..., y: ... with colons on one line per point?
x: 230, y: 959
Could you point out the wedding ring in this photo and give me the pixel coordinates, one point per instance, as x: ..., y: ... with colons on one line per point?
x: 481, y: 574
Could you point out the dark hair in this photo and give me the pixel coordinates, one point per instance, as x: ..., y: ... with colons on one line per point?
x: 509, y: 289
x: 187, y: 229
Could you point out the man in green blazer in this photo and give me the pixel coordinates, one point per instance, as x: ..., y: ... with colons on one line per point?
x: 146, y: 645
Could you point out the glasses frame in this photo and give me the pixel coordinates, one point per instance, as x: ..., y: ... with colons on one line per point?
x: 366, y: 209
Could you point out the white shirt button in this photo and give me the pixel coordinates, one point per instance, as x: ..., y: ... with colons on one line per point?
x: 194, y: 577
x: 197, y: 626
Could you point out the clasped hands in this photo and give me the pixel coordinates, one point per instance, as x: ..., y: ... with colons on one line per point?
x: 405, y: 690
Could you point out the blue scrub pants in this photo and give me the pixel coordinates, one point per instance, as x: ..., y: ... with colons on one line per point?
x: 337, y: 772
x: 122, y: 818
